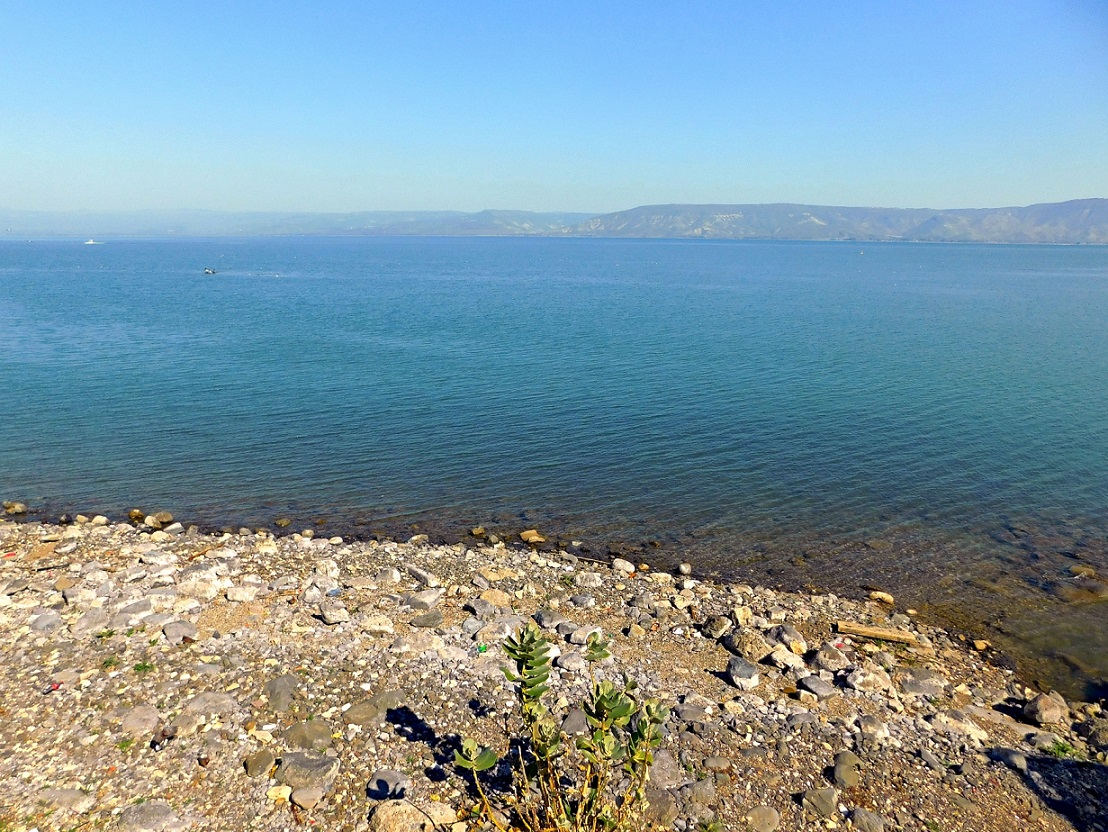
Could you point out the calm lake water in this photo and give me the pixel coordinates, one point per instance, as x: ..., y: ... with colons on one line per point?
x: 931, y: 419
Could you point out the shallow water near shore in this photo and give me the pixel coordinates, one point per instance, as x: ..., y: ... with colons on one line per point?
x: 932, y: 419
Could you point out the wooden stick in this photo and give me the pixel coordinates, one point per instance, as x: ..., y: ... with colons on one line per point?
x: 881, y: 633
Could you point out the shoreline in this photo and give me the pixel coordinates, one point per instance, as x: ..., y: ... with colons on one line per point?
x: 336, y: 666
x: 1044, y: 666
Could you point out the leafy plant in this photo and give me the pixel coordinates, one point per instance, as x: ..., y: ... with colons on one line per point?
x: 124, y: 744
x: 596, y: 783
x: 1061, y: 749
x: 143, y: 667
x: 110, y: 662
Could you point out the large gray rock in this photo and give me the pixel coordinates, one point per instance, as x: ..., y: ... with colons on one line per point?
x: 866, y: 821
x: 845, y: 772
x: 742, y: 674
x: 212, y: 702
x: 1046, y: 709
x: 661, y: 808
x: 299, y: 769
x: 281, y: 692
x: 822, y: 803
x: 308, y: 735
x: 142, y: 719
x: 666, y: 773
x: 815, y: 685
x: 152, y: 816
x: 259, y: 763
x: 71, y: 800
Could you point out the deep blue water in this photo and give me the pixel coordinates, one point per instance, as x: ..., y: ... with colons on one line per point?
x: 928, y: 417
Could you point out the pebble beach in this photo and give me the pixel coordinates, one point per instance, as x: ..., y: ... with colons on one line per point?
x: 155, y: 677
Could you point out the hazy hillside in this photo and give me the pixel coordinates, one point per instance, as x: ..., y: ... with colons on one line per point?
x: 1077, y: 221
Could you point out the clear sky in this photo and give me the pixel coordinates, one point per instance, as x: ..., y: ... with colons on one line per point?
x: 577, y: 106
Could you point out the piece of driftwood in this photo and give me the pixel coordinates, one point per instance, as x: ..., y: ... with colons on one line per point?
x: 882, y: 633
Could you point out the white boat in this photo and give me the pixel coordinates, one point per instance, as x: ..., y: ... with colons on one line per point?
x: 92, y: 242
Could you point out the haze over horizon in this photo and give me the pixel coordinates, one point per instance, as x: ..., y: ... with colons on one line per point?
x: 424, y: 106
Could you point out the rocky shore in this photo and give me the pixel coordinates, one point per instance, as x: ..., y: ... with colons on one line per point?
x: 157, y: 678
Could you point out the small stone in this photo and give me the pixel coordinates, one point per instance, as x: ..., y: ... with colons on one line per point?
x: 1012, y: 758
x: 177, y: 632
x: 763, y: 819
x: 845, y: 772
x: 259, y: 763
x: 396, y: 816
x: 300, y: 769
x: 881, y: 597
x: 386, y: 784
x: 575, y: 722
x: 276, y: 793
x: 333, y: 611
x: 497, y: 597
x: 425, y: 600
x: 431, y: 618
x: 377, y: 625
x: 716, y: 626
x: 306, y: 797
x: 817, y: 686
x: 624, y: 566
x: 531, y: 536
x: 428, y: 579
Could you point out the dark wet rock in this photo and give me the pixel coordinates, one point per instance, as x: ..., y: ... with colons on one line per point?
x: 299, y: 769
x: 308, y: 735
x: 823, y: 803
x: 1095, y: 732
x: 259, y: 763
x: 281, y: 692
x: 386, y: 784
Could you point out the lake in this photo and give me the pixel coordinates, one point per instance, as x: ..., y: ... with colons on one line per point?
x: 927, y: 419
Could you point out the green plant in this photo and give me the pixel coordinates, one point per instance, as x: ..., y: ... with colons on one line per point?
x: 124, y: 744
x: 1061, y: 749
x: 560, y: 784
x: 143, y: 667
x: 105, y: 634
x: 110, y: 662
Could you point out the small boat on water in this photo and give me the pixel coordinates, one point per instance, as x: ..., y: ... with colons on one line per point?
x: 92, y: 242
x: 210, y: 271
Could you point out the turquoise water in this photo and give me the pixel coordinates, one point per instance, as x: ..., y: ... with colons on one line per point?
x: 930, y: 418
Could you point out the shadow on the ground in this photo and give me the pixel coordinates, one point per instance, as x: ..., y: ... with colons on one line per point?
x: 1075, y: 789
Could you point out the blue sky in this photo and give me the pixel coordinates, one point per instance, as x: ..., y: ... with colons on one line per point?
x: 330, y: 106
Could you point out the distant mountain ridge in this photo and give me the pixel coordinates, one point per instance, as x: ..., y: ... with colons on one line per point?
x: 1075, y: 221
